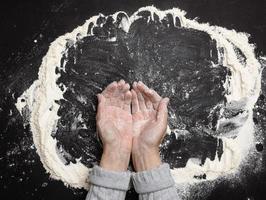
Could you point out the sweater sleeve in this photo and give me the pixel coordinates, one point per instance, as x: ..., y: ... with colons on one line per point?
x: 155, y: 184
x: 108, y: 185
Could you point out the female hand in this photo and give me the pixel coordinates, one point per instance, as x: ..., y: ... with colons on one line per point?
x: 114, y: 125
x: 149, y: 114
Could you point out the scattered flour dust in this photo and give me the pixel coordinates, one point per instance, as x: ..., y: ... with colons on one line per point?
x: 244, y: 82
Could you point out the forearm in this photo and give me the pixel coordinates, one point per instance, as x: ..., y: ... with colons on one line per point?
x: 115, y: 159
x: 108, y: 185
x: 145, y: 158
x: 155, y: 184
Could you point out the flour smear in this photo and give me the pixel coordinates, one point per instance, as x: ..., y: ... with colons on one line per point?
x: 244, y: 83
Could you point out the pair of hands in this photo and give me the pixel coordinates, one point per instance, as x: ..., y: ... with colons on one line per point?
x: 131, y: 122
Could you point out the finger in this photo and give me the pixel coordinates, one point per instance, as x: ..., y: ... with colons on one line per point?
x: 148, y: 103
x: 141, y: 100
x: 101, y: 103
x: 117, y: 98
x: 122, y: 89
x: 135, y: 103
x: 126, y: 88
x: 100, y: 98
x: 162, y: 112
x: 153, y: 96
x: 145, y: 90
x: 120, y: 86
x: 120, y: 98
x: 108, y: 91
x: 142, y: 87
x: 127, y: 101
x: 134, y: 85
x: 121, y: 83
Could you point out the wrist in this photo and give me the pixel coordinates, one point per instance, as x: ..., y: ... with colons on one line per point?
x: 115, y: 160
x: 146, y: 158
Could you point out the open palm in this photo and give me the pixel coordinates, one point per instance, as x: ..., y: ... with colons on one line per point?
x: 114, y: 120
x: 149, y: 115
x: 124, y: 130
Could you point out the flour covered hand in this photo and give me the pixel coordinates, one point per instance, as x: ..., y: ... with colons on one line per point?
x: 131, y: 122
x: 114, y: 125
x: 149, y: 115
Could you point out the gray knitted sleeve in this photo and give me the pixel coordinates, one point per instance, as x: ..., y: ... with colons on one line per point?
x: 108, y: 185
x: 155, y: 184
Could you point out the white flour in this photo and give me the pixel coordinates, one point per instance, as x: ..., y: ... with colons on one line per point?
x: 244, y: 83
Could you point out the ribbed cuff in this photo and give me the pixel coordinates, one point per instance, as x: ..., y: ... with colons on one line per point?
x: 153, y: 180
x: 110, y: 179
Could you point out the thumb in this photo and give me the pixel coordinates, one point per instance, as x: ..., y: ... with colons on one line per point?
x: 100, y: 105
x: 162, y: 112
x: 99, y: 97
